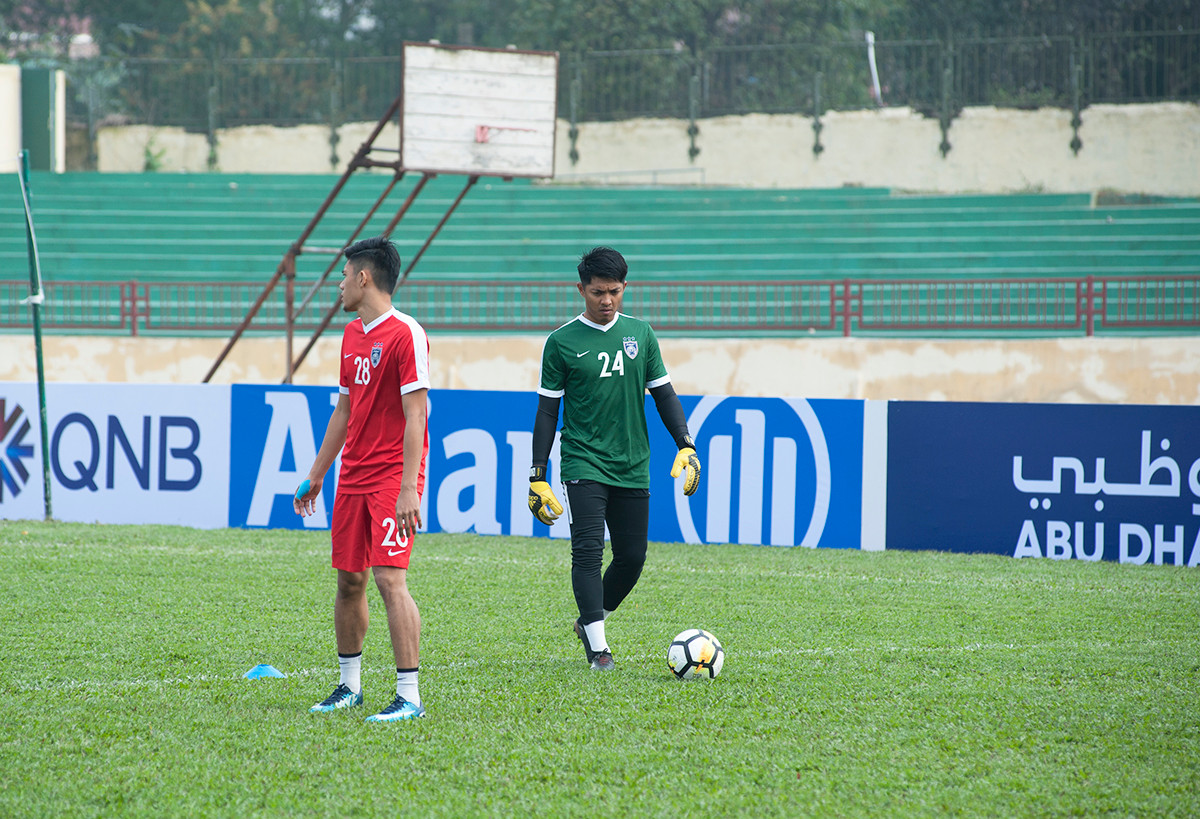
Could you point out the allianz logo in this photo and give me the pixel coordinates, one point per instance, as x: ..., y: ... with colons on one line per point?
x: 790, y: 439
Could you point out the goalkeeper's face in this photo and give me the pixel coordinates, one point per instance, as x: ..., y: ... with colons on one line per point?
x: 602, y: 299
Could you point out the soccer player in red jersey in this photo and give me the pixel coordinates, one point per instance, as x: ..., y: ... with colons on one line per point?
x: 381, y: 420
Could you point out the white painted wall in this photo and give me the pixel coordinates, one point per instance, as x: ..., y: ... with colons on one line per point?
x: 1152, y: 149
x: 10, y: 117
x: 1064, y: 370
x: 1133, y: 148
x: 60, y: 121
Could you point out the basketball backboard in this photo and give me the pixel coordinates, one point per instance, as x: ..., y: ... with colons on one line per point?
x: 478, y: 111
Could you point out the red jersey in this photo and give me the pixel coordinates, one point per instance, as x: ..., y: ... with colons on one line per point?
x: 380, y: 362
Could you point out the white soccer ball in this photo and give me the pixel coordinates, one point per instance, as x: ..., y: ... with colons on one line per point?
x: 695, y: 654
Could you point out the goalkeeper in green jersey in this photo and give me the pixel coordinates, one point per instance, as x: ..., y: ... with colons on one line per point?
x: 599, y: 365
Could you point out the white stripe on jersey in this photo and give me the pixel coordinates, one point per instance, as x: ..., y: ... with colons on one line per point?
x: 420, y: 344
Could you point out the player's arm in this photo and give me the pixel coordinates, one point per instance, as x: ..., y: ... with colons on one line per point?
x: 335, y: 437
x: 408, y: 502
x: 542, y: 502
x: 673, y: 418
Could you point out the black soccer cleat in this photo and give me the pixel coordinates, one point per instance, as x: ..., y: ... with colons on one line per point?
x: 603, y: 661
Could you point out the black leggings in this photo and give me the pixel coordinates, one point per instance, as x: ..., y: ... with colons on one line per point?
x: 627, y: 513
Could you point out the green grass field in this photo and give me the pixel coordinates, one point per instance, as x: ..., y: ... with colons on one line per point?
x: 855, y: 684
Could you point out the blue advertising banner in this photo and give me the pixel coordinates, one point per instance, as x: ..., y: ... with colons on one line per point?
x: 781, y: 472
x: 776, y: 471
x: 477, y: 472
x: 477, y: 477
x: 273, y: 441
x: 1082, y: 482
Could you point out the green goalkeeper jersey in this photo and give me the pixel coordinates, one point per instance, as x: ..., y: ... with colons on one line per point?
x: 602, y: 374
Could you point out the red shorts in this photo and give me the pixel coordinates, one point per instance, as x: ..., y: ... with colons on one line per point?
x: 364, y: 532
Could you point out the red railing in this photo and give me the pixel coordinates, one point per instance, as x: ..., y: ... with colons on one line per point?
x: 845, y: 306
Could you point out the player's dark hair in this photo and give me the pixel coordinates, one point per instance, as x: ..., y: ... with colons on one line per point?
x: 380, y: 257
x: 602, y: 263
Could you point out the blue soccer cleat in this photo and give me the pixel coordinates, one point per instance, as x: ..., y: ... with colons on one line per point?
x: 400, y: 709
x: 342, y: 697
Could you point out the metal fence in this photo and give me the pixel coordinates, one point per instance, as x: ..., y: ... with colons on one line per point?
x: 931, y: 75
x: 1085, y: 305
x: 200, y: 95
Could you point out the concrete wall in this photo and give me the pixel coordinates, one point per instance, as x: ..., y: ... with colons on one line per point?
x: 1153, y: 149
x: 10, y: 117
x: 1143, y: 148
x: 1067, y: 370
x: 246, y: 149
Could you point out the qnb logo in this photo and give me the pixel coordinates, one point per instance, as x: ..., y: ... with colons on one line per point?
x: 766, y: 467
x: 14, y: 427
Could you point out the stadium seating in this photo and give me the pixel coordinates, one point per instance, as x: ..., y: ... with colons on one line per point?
x: 236, y: 228
x: 152, y: 227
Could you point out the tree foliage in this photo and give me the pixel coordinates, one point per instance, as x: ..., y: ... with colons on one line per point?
x: 38, y: 29
x: 965, y: 18
x: 273, y: 28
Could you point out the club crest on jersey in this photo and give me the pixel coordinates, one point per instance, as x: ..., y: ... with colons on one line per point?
x: 376, y: 353
x: 631, y: 347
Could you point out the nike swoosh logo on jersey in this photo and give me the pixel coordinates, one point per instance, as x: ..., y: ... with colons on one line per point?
x: 347, y: 355
x: 581, y: 355
x: 397, y: 552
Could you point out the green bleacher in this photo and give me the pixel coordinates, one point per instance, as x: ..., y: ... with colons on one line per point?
x: 236, y: 228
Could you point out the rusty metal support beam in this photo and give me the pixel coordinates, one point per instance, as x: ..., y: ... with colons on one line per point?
x: 438, y: 229
x: 286, y: 269
x: 360, y: 159
x: 289, y: 315
x: 294, y: 363
x: 312, y: 291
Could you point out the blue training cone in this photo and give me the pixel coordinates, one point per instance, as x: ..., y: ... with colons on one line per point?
x: 263, y: 670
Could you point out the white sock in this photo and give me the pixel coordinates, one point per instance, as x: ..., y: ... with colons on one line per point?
x: 406, y: 685
x: 351, y: 667
x: 606, y: 613
x: 595, y: 635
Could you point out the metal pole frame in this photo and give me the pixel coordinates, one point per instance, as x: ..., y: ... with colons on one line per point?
x: 286, y: 270
x: 359, y: 160
x: 294, y: 364
x: 35, y: 301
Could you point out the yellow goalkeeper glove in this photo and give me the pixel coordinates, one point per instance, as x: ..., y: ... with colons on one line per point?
x: 542, y: 503
x: 687, y: 459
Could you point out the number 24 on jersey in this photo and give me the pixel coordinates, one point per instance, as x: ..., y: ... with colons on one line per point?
x: 618, y: 364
